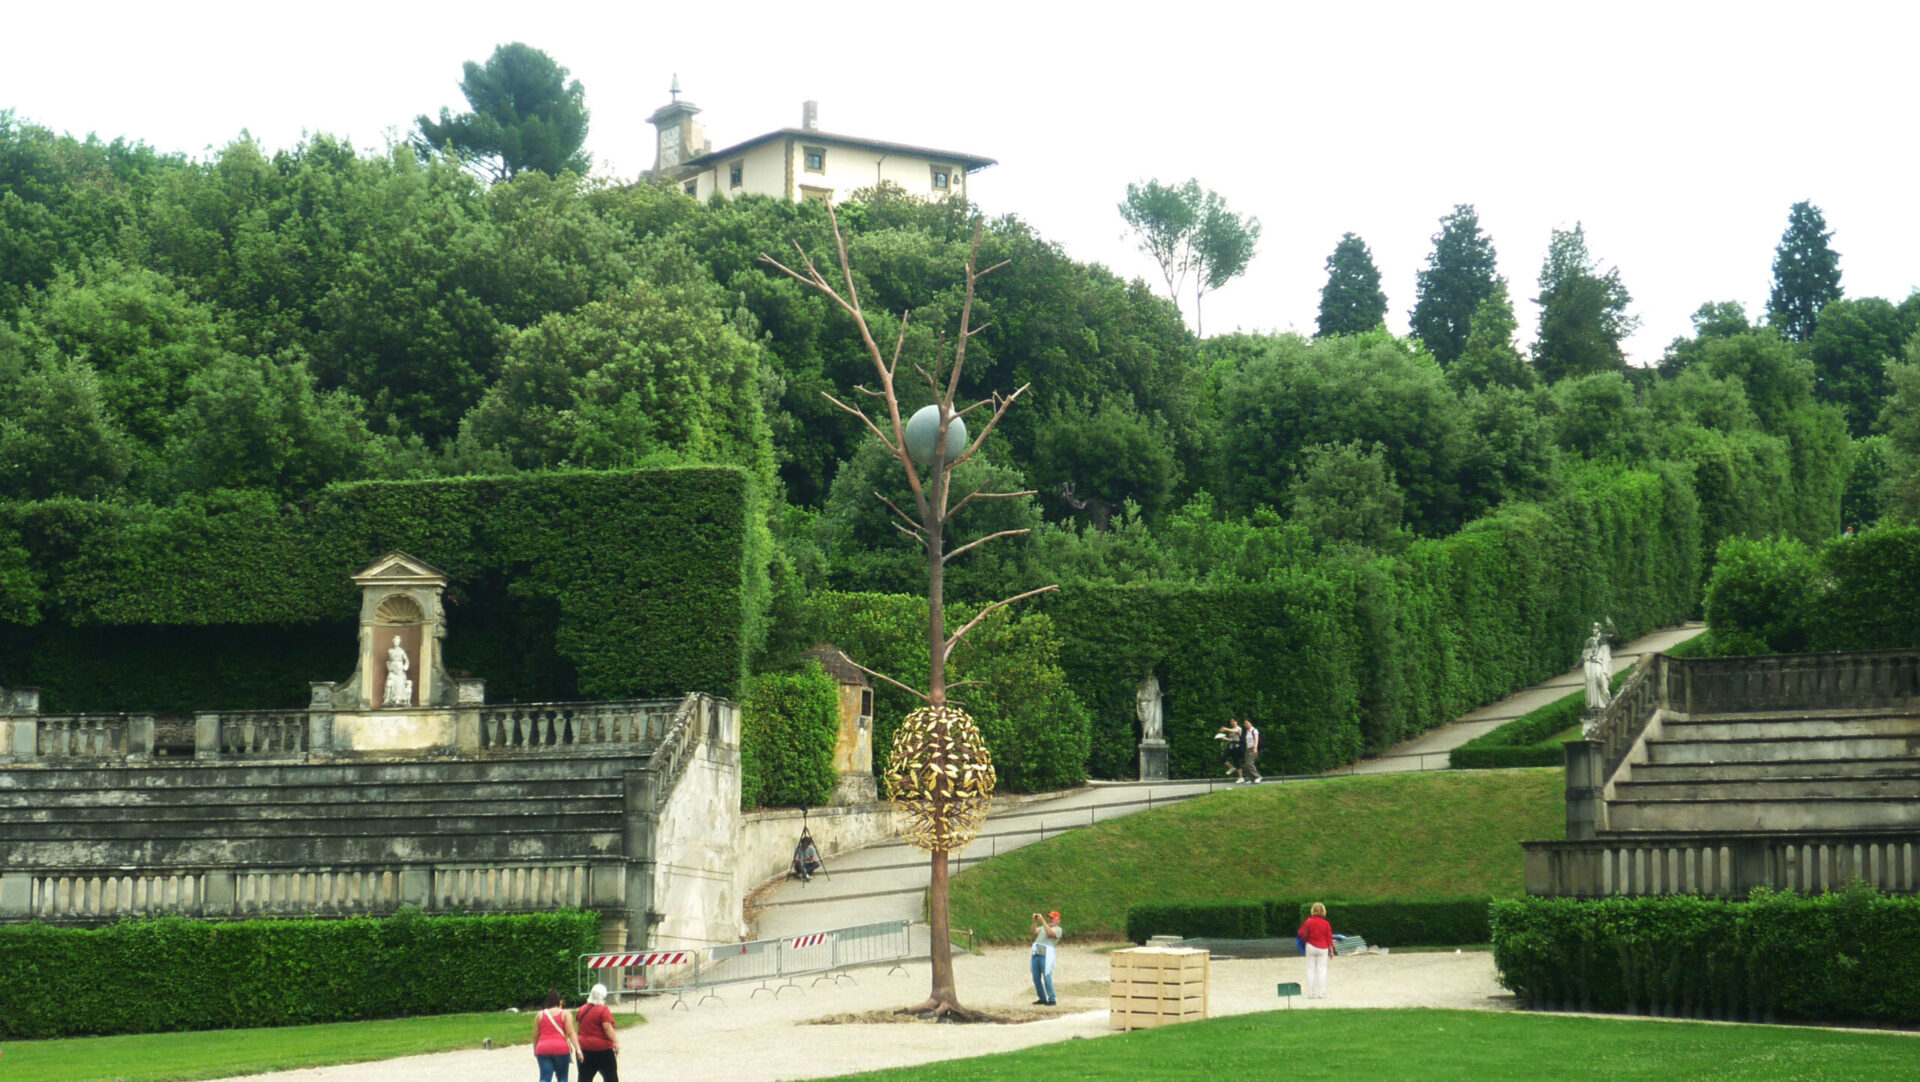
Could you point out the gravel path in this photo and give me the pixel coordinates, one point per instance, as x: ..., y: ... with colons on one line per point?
x: 763, y: 1039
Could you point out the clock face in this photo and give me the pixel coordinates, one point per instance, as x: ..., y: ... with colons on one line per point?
x: 669, y: 146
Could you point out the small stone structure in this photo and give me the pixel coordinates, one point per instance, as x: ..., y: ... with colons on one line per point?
x: 853, y: 750
x: 354, y: 805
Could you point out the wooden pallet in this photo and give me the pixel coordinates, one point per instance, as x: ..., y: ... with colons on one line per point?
x: 1157, y: 986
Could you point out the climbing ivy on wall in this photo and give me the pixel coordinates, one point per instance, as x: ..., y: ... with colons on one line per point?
x: 600, y: 585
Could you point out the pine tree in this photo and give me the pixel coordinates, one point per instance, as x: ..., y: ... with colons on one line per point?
x: 1351, y: 302
x: 1490, y: 358
x: 1460, y: 273
x: 1806, y: 274
x: 1582, y: 311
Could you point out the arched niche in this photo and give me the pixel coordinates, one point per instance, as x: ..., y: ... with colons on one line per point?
x: 400, y: 600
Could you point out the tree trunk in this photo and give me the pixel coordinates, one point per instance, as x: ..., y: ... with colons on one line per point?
x: 944, y: 999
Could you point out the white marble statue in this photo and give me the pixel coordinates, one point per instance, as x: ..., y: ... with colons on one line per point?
x: 399, y: 688
x: 1147, y: 705
x: 1598, y: 659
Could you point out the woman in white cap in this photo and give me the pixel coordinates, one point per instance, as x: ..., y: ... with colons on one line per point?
x: 599, y: 1044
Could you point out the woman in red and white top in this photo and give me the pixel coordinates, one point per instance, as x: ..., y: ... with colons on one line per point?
x: 599, y: 1044
x: 554, y: 1045
x: 1319, y: 936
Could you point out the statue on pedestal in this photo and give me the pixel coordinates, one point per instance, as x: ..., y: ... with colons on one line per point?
x: 1597, y: 658
x: 1149, y: 707
x: 399, y: 688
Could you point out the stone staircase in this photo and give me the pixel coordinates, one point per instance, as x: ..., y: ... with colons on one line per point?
x: 1769, y: 772
x: 1720, y: 775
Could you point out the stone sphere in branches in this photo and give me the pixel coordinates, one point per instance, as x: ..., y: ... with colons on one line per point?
x: 924, y: 426
x: 941, y: 777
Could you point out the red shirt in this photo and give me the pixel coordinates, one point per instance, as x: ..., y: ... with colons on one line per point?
x: 1317, y: 932
x: 551, y: 1034
x: 595, y: 1021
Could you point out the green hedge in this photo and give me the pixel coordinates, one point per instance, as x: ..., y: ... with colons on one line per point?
x: 1849, y: 956
x: 1422, y: 922
x: 1343, y: 654
x: 146, y: 976
x: 1197, y: 920
x: 789, y: 724
x: 1518, y: 742
x: 1851, y: 593
x: 605, y: 585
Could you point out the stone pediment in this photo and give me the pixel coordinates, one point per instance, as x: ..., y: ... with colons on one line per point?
x: 399, y: 569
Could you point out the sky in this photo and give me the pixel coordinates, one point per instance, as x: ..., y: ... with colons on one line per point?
x: 1678, y: 133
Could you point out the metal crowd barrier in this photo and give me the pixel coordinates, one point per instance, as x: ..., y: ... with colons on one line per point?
x: 820, y: 955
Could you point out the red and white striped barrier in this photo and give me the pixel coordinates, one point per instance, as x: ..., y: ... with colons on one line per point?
x: 655, y: 958
x: 813, y: 940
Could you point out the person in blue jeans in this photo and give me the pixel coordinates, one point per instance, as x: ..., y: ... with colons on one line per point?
x: 1046, y: 935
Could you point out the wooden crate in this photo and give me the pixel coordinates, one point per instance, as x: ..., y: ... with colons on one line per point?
x: 1157, y: 986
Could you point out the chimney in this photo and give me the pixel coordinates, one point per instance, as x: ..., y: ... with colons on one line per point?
x: 810, y: 116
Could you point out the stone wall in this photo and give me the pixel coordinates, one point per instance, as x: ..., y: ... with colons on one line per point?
x: 767, y: 838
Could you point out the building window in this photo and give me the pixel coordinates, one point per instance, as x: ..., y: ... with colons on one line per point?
x: 941, y: 174
x: 816, y: 159
x: 866, y: 703
x: 821, y: 195
x: 736, y: 173
x: 693, y: 188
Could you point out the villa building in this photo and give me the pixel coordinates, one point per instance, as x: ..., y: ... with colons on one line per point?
x: 800, y: 163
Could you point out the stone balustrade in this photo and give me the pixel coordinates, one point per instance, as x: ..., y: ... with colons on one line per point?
x: 1728, y: 866
x: 534, y: 727
x: 97, y: 896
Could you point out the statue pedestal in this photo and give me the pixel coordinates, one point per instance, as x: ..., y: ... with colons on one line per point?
x: 1153, y: 760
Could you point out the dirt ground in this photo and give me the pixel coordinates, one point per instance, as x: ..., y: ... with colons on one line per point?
x: 764, y: 1038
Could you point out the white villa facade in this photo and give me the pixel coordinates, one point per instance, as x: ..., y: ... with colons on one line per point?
x: 801, y: 163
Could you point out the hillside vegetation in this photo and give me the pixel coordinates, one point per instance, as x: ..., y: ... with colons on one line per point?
x: 1440, y: 834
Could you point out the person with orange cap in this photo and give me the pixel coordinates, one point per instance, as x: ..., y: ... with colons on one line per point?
x: 1046, y: 936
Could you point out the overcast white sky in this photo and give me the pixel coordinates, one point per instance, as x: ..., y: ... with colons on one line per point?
x: 1678, y: 132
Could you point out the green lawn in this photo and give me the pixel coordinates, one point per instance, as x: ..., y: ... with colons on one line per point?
x: 1436, y: 834
x: 1446, y: 1046
x: 159, y: 1057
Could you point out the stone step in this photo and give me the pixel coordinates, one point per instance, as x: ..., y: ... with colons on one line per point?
x: 1783, y: 768
x: 148, y: 796
x: 244, y: 811
x: 190, y: 775
x: 309, y: 851
x: 355, y: 825
x: 1749, y: 751
x: 1785, y: 788
x: 1830, y: 814
x: 1790, y: 728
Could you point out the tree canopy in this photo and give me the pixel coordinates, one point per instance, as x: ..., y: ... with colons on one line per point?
x: 1188, y: 229
x: 1583, y: 311
x: 1351, y: 301
x: 525, y: 115
x: 1461, y: 272
x: 1806, y: 274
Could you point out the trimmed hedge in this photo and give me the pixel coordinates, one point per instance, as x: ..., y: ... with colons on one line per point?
x: 1518, y: 742
x: 148, y: 976
x: 1343, y: 654
x: 1852, y: 955
x: 1426, y: 922
x: 1226, y: 919
x: 604, y: 585
x: 789, y: 725
x: 1852, y: 593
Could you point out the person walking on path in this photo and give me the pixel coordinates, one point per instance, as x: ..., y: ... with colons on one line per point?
x: 554, y: 1044
x: 1234, y: 750
x: 1046, y: 936
x: 1249, y: 772
x: 1319, y: 936
x: 599, y: 1044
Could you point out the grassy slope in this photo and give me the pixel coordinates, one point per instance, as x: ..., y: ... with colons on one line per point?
x: 1445, y: 1046
x: 163, y: 1057
x: 1383, y: 836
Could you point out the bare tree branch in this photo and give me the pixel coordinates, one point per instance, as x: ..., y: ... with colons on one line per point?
x: 883, y: 676
x: 999, y: 411
x: 977, y: 542
x: 954, y: 639
x: 977, y: 494
x: 918, y: 529
x: 862, y: 414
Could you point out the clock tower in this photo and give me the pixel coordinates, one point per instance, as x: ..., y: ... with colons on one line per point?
x: 679, y: 136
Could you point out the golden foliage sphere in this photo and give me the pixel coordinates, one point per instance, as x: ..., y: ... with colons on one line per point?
x: 941, y: 778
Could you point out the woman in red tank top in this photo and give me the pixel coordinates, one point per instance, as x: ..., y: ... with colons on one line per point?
x: 599, y: 1044
x: 554, y: 1045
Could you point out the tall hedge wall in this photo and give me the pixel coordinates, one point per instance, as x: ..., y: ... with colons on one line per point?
x: 1851, y: 593
x: 148, y: 976
x: 1348, y: 653
x: 601, y: 585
